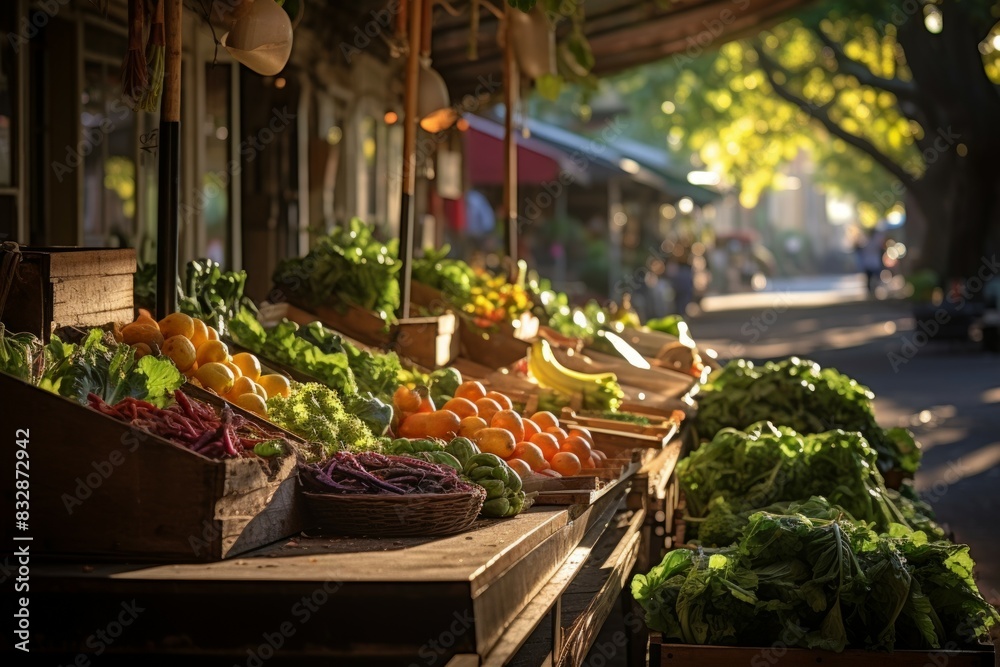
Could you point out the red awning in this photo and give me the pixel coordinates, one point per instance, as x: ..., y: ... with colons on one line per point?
x: 536, y: 162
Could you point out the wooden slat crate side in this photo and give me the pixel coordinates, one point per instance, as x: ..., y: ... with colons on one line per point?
x: 104, y: 489
x: 72, y: 262
x: 85, y: 294
x: 682, y: 655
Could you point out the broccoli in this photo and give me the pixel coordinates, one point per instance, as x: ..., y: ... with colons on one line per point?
x: 357, y: 437
x: 722, y: 526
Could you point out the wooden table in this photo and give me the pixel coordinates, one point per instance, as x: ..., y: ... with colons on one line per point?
x: 469, y: 599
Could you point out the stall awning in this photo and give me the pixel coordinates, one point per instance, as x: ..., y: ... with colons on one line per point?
x: 536, y: 161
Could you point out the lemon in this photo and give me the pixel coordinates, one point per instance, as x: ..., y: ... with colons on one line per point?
x: 259, y: 390
x: 253, y: 403
x: 249, y: 365
x: 177, y: 324
x: 212, y: 350
x: 212, y: 333
x: 275, y: 385
x: 181, y: 351
x: 142, y: 333
x: 200, y: 334
x: 215, y: 376
x: 237, y: 373
x: 243, y: 385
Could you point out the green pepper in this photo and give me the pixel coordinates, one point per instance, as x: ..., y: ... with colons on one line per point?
x: 494, y: 488
x: 502, y: 473
x: 441, y: 458
x: 462, y: 449
x: 490, y: 460
x: 269, y: 448
x: 482, y: 472
x: 516, y: 504
x: 513, y: 480
x: 496, y: 508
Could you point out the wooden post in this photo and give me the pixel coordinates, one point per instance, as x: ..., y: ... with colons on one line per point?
x: 168, y: 208
x: 406, y: 216
x: 511, y: 85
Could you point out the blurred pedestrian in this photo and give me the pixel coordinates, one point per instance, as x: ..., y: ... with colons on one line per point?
x: 870, y: 258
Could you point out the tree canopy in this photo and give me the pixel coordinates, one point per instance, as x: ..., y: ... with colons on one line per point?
x: 886, y: 96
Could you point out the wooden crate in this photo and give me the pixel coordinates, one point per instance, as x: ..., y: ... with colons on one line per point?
x: 499, y: 347
x: 81, y: 287
x: 681, y: 655
x: 102, y: 489
x: 429, y: 341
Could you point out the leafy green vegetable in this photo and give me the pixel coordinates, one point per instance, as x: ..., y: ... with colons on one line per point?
x: 803, y: 396
x: 453, y: 277
x: 671, y: 324
x: 213, y: 295
x: 348, y: 267
x: 768, y: 464
x: 375, y: 414
x: 820, y: 581
x: 20, y: 355
x: 100, y: 366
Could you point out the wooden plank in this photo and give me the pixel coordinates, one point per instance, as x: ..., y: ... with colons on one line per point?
x: 607, y: 574
x: 539, y: 605
x: 670, y: 655
x: 70, y: 262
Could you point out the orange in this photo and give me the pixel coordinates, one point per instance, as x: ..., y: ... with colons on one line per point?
x: 545, y: 419
x: 566, y: 463
x: 558, y: 432
x: 252, y: 403
x: 531, y: 454
x: 212, y: 350
x: 530, y: 428
x: 177, y: 324
x: 502, y: 400
x: 259, y: 390
x: 141, y: 350
x: 142, y: 333
x: 522, y: 469
x: 487, y: 408
x: 212, y: 333
x: 578, y: 446
x: 275, y: 385
x: 215, y: 376
x: 470, y: 426
x: 200, y: 334
x: 471, y: 390
x: 248, y: 364
x: 146, y: 318
x: 180, y: 351
x: 495, y: 441
x: 406, y: 399
x: 547, y: 443
x: 511, y: 421
x: 583, y: 433
x: 438, y: 424
x: 462, y: 407
x: 596, y: 460
x: 588, y: 463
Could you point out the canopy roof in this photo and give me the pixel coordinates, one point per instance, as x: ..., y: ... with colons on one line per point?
x: 622, y: 33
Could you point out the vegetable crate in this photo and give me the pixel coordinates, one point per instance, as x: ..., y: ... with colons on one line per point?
x: 101, y: 488
x: 498, y: 347
x: 429, y: 341
x: 681, y: 655
x: 82, y: 287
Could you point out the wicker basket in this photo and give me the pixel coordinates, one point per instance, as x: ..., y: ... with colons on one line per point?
x: 415, y: 515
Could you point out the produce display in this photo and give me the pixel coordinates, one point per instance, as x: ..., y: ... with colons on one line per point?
x: 347, y: 267
x: 487, y: 419
x: 805, y: 397
x: 195, y: 350
x: 742, y: 471
x: 597, y: 391
x: 816, y: 579
x: 320, y: 353
x: 213, y: 295
x: 373, y: 473
x: 196, y: 426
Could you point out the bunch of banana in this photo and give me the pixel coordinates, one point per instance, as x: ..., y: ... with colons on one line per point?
x: 599, y: 391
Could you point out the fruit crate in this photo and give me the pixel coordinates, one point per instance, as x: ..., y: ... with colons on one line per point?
x: 499, y: 346
x: 102, y: 489
x: 56, y: 287
x: 778, y: 655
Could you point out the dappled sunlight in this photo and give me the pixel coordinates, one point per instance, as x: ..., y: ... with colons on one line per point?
x: 978, y: 462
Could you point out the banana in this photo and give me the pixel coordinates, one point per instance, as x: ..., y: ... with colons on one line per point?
x: 599, y: 391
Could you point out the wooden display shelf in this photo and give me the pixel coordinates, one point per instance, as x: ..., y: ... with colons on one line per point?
x: 681, y: 655
x: 373, y: 601
x: 102, y: 489
x: 58, y: 287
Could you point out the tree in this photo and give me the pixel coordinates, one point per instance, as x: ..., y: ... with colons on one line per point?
x: 895, y: 100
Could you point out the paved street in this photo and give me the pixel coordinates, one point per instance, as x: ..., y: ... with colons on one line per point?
x: 947, y: 392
